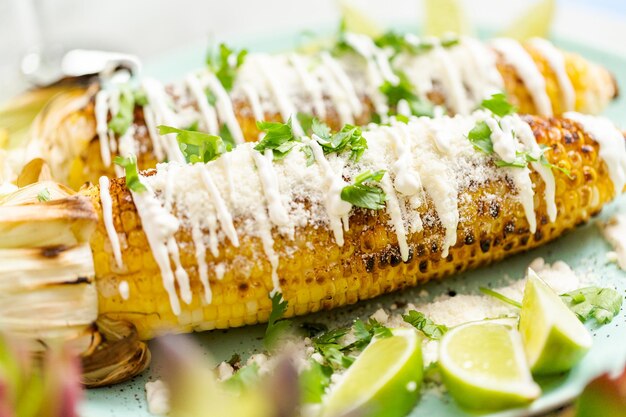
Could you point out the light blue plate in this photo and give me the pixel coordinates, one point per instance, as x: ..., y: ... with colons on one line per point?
x: 584, y: 250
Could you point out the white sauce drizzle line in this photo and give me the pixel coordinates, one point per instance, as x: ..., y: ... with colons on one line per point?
x: 336, y: 208
x: 395, y: 215
x: 163, y: 115
x: 127, y: 146
x: 451, y: 78
x: 223, y: 214
x: 556, y: 60
x: 525, y: 135
x: 225, y: 107
x: 285, y: 106
x: 277, y: 212
x: 207, y: 111
x: 337, y: 96
x: 124, y: 290
x: 254, y: 101
x: 158, y: 225
x: 157, y: 146
x: 344, y: 82
x: 203, y: 273
x: 481, y: 75
x: 182, y: 278
x: 102, y: 128
x: 612, y: 145
x: 505, y: 146
x: 310, y: 84
x: 515, y: 55
x: 107, y: 217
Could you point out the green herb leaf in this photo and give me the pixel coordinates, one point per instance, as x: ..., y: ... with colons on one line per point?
x: 399, y: 44
x: 276, y: 325
x: 227, y: 137
x: 121, y: 121
x: 129, y: 164
x: 501, y: 297
x: 327, y: 344
x: 279, y: 138
x: 480, y: 137
x: 43, y: 195
x: 306, y: 122
x: 224, y: 62
x: 243, y: 378
x: 313, y: 382
x: 498, y: 105
x: 141, y: 99
x: 593, y: 303
x: 366, y: 196
x: 364, y: 332
x: 349, y: 138
x: 425, y: 325
x: 544, y: 161
x: 404, y: 90
x: 196, y: 146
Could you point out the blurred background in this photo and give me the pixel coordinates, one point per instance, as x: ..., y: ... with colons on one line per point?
x: 152, y: 29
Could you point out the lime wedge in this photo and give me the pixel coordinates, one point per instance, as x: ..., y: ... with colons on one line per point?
x: 357, y: 21
x: 536, y: 22
x: 484, y: 368
x: 554, y: 339
x: 384, y: 381
x: 446, y: 16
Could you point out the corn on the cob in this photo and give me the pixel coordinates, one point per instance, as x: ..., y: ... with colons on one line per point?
x: 538, y: 78
x: 303, y: 256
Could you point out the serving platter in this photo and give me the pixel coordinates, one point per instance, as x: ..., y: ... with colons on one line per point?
x: 583, y: 249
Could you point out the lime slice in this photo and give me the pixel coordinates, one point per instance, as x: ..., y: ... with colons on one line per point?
x: 484, y: 367
x: 384, y: 381
x: 357, y: 21
x: 536, y: 22
x: 554, y: 339
x: 446, y: 16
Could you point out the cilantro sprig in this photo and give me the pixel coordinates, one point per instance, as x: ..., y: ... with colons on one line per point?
x: 399, y: 43
x: 349, y: 138
x: 593, y: 303
x: 276, y: 325
x: 278, y: 137
x: 425, y: 325
x: 501, y: 297
x: 196, y: 146
x: 129, y: 163
x: 225, y: 62
x: 404, y: 90
x: 313, y: 382
x: 121, y: 121
x: 361, y: 193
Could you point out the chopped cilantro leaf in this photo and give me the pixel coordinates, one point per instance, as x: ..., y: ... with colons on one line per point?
x: 544, y: 161
x: 306, y: 122
x: 224, y: 62
x: 279, y: 138
x: 498, y: 105
x: 276, y: 325
x: 364, y: 332
x: 141, y: 99
x: 124, y: 117
x: 480, y: 137
x: 425, y: 325
x: 243, y: 378
x: 43, y: 195
x: 129, y: 163
x: 227, y: 137
x: 404, y: 90
x: 196, y: 146
x: 593, y: 303
x: 313, y: 382
x: 366, y: 196
x: 349, y: 138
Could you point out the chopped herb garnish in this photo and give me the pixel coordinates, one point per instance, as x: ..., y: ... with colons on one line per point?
x: 400, y: 44
x: 224, y: 62
x: 244, y: 377
x: 196, y: 146
x: 363, y: 195
x: 306, y: 122
x: 129, y: 163
x: 593, y: 303
x: 279, y: 138
x: 141, y: 99
x: 501, y: 297
x: 43, y: 195
x: 313, y: 382
x: 349, y: 138
x: 364, y: 332
x: 498, y: 105
x: 544, y: 161
x: 480, y: 137
x: 450, y: 42
x: 276, y: 325
x: 125, y: 115
x: 404, y: 90
x: 227, y: 137
x: 425, y: 325
x: 329, y: 347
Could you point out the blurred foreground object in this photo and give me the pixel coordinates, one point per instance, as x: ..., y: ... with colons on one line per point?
x: 46, y: 386
x: 605, y: 396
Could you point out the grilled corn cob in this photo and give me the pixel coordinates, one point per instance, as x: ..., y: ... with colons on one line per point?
x: 341, y: 88
x: 223, y: 274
